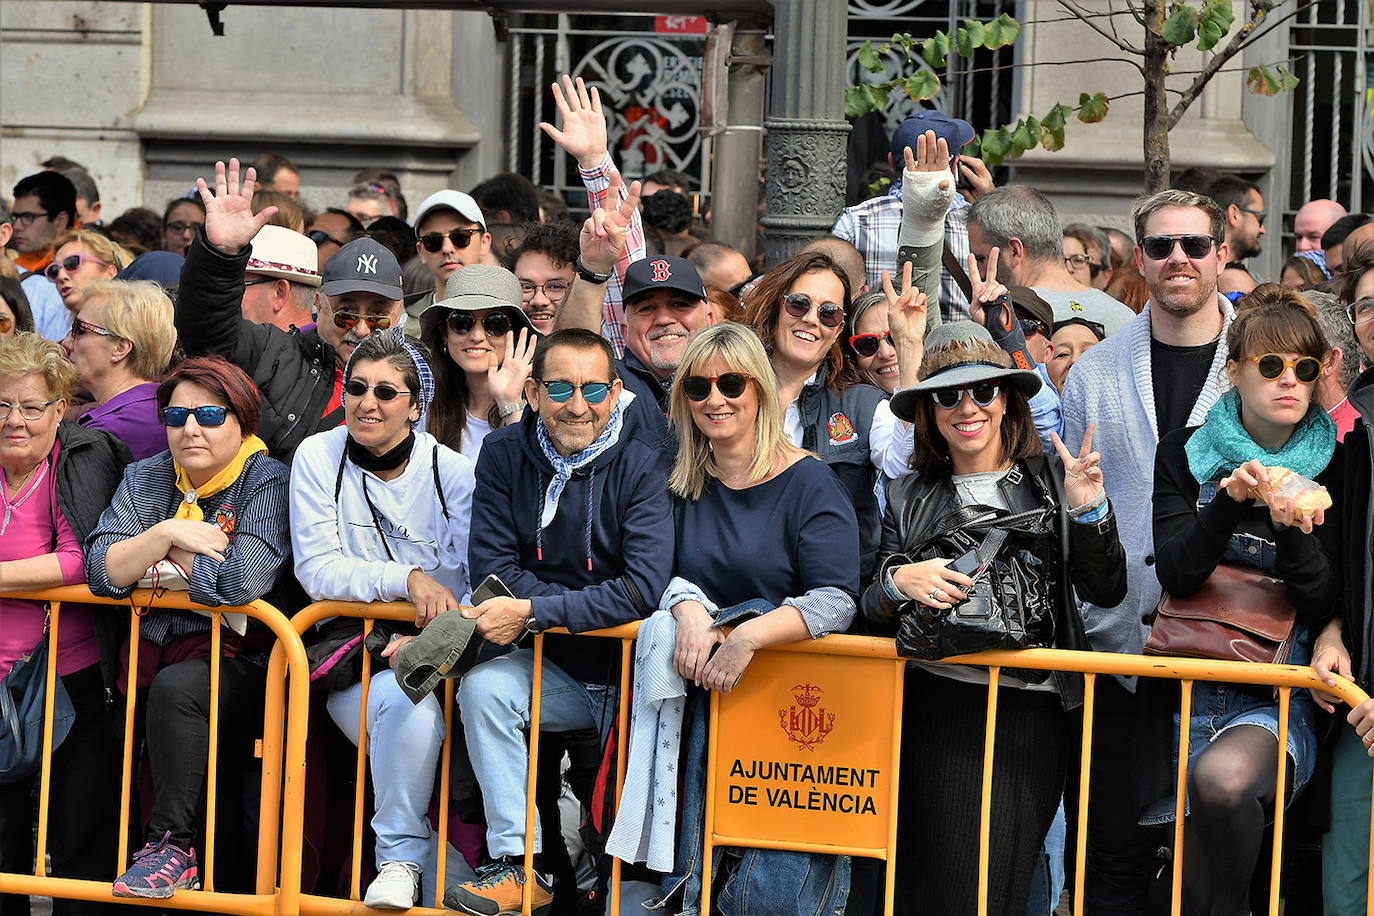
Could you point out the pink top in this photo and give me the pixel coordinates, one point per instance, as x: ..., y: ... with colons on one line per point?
x: 1345, y: 416
x: 33, y: 517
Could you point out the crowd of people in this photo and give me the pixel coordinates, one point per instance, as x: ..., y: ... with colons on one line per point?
x: 516, y: 422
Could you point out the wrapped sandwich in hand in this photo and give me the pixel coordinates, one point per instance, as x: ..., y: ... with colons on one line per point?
x: 1307, y: 495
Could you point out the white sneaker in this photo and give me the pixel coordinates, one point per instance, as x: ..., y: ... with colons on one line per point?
x: 396, y: 887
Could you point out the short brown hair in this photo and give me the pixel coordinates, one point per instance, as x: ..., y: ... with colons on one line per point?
x: 1272, y: 319
x: 224, y: 380
x: 763, y: 303
x: 1148, y: 205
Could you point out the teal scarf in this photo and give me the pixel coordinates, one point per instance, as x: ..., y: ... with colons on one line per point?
x: 1221, y: 444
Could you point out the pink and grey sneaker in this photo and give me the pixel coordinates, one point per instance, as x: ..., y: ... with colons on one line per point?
x: 158, y: 870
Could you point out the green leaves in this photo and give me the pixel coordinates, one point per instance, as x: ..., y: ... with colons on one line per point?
x: 1092, y: 108
x: 1264, y: 81
x: 862, y: 99
x: 935, y: 49
x: 1180, y: 27
x: 1001, y: 32
x: 921, y: 85
x: 869, y: 59
x: 1214, y: 23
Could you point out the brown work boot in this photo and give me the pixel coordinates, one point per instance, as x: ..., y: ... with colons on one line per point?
x: 498, y: 890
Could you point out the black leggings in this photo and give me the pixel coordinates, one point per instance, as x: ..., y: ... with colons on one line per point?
x: 1231, y: 798
x: 941, y: 785
x: 83, y: 805
x: 178, y: 740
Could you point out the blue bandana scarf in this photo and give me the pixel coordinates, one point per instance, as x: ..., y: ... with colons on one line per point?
x: 564, y: 468
x: 1221, y: 444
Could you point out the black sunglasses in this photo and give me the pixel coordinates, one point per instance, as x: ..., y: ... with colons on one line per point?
x: 1159, y: 247
x: 1031, y: 326
x: 983, y: 394
x: 433, y: 241
x: 208, y: 415
x: 319, y: 237
x: 1271, y: 366
x: 356, y: 388
x: 799, y: 305
x: 495, y: 324
x: 867, y: 345
x: 730, y: 385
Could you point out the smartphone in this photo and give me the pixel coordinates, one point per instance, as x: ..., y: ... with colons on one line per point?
x: 968, y: 564
x: 491, y: 587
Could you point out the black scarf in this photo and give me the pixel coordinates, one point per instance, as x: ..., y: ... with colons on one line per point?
x: 380, y: 464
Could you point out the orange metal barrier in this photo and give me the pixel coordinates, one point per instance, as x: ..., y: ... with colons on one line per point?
x: 317, y: 905
x: 277, y: 825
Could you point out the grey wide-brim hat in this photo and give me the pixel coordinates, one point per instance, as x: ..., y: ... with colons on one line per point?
x: 975, y: 358
x: 475, y: 288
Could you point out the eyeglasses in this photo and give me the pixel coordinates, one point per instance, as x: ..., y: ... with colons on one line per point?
x: 1079, y: 261
x: 82, y: 328
x: 181, y: 227
x: 983, y: 394
x: 1159, y: 247
x: 799, y: 305
x: 1257, y: 214
x: 383, y: 391
x: 26, y: 217
x: 27, y: 411
x: 319, y: 237
x: 461, y: 238
x: 730, y: 385
x: 554, y: 290
x: 207, y: 415
x: 346, y: 320
x: 562, y: 392
x: 1031, y: 326
x: 867, y: 345
x: 1271, y: 366
x: 71, y: 263
x: 248, y: 283
x: 1360, y: 311
x: 494, y: 324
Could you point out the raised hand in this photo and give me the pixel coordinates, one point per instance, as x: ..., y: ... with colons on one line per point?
x: 984, y: 289
x: 584, y: 126
x: 1083, y: 473
x: 506, y: 382
x: 932, y: 155
x: 602, y: 241
x: 229, y: 220
x: 906, y: 313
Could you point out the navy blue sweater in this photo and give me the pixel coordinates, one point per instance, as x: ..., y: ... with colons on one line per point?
x: 629, y: 528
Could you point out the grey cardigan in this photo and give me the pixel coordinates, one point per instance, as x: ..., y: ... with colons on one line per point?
x: 1112, y: 385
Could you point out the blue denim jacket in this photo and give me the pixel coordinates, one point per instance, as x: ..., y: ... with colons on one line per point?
x: 750, y: 882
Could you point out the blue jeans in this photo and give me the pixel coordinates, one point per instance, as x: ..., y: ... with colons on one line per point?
x: 1047, y: 881
x: 404, y: 741
x: 757, y: 882
x: 495, y: 700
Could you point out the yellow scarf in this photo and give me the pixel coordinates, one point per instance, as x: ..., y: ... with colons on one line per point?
x: 189, y: 507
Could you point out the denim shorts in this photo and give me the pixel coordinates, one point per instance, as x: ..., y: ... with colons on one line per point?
x: 1218, y: 707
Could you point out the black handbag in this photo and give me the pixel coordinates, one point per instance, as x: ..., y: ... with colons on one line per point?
x: 1009, y: 606
x: 22, y: 695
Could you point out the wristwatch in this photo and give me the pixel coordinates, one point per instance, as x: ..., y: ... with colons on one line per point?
x: 586, y: 273
x: 532, y: 625
x: 509, y: 409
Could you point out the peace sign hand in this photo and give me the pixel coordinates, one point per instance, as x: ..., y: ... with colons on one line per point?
x: 906, y: 314
x: 1083, y: 474
x: 983, y: 290
x: 229, y: 220
x: 602, y: 241
x: 584, y: 126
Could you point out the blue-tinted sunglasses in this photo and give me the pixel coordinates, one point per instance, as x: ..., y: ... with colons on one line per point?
x: 562, y: 392
x: 205, y: 416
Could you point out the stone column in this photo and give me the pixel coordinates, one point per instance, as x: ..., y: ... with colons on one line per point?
x: 806, y: 128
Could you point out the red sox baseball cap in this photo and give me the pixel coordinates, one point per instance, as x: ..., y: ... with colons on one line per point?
x: 663, y: 272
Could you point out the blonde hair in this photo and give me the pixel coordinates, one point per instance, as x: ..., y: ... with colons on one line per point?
x: 100, y: 246
x: 743, y: 352
x: 28, y: 353
x: 140, y: 312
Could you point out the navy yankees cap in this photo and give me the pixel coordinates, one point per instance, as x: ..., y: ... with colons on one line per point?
x: 664, y: 272
x: 363, y: 266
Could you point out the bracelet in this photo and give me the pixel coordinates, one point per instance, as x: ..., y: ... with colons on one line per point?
x: 586, y: 273
x: 1091, y: 512
x: 509, y: 409
x: 890, y: 587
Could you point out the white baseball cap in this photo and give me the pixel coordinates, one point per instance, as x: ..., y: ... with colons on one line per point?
x: 281, y: 252
x: 447, y: 199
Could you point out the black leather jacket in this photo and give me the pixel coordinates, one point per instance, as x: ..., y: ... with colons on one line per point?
x: 1091, y: 553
